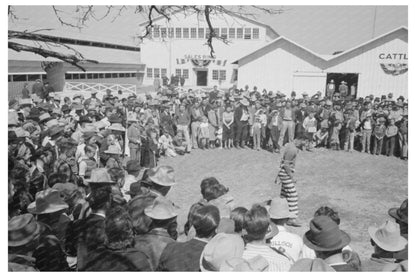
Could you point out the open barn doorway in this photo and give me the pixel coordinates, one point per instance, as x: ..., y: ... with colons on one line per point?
x: 351, y: 80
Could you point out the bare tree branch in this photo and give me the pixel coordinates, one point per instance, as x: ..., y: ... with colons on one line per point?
x: 63, y: 23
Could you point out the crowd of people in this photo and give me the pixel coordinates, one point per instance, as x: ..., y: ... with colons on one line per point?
x: 86, y: 192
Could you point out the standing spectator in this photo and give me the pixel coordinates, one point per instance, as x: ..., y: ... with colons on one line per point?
x: 257, y: 133
x: 134, y: 138
x: 403, y: 137
x: 38, y: 88
x: 391, y: 133
x: 310, y: 126
x: 367, y: 128
x: 204, y: 133
x: 288, y: 116
x: 213, y: 125
x: 350, y: 131
x: 256, y: 224
x: 25, y: 91
x: 330, y: 89
x: 379, y: 133
x: 241, y: 117
x: 183, y: 120
x: 228, y: 127
x: 343, y: 89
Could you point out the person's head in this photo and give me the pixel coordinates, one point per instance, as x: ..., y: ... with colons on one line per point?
x: 24, y: 234
x: 100, y: 198
x: 118, y: 226
x: 228, y: 108
x: 205, y: 220
x: 90, y: 150
x: 206, y: 183
x: 182, y: 108
x: 327, y: 211
x: 214, y: 191
x: 237, y: 215
x: 256, y: 223
x: 311, y: 115
x: 288, y: 105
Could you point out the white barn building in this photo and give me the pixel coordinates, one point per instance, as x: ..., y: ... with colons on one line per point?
x: 178, y: 47
x: 376, y: 67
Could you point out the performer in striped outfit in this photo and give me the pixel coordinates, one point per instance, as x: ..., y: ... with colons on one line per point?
x: 288, y: 189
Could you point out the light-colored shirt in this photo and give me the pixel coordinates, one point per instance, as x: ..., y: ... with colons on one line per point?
x: 291, y: 243
x: 276, y: 261
x: 128, y: 180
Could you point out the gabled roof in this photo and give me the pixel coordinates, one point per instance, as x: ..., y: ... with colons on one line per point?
x: 331, y: 59
x: 232, y: 15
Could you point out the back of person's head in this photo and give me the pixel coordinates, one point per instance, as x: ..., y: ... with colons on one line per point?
x: 116, y: 174
x: 256, y: 223
x: 118, y: 226
x: 100, y: 199
x: 238, y: 215
x: 205, y: 221
x: 324, y: 210
x: 90, y: 148
x: 56, y: 177
x: 214, y: 191
x: 207, y: 182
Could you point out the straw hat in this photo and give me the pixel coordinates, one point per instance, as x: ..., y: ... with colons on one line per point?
x: 22, y: 230
x: 161, y: 209
x: 47, y: 201
x: 114, y: 150
x: 117, y: 127
x: 387, y: 236
x: 162, y: 175
x: 25, y: 101
x: 279, y: 208
x: 99, y: 176
x: 13, y: 118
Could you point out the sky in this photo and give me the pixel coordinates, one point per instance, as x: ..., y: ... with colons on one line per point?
x: 322, y: 29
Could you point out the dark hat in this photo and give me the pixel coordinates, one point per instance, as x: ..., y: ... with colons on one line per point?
x: 47, y: 201
x: 135, y: 188
x: 65, y: 108
x: 55, y: 130
x: 324, y: 235
x: 99, y: 177
x: 383, y: 97
x: 34, y: 114
x: 44, y: 107
x: 400, y: 213
x: 133, y: 166
x: 22, y: 230
x: 84, y: 119
x: 114, y: 119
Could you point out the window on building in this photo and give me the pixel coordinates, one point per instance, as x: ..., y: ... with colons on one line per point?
x: 215, y: 75
x: 44, y: 77
x: 239, y: 32
x: 127, y: 75
x: 75, y: 76
x: 171, y: 32
x: 157, y: 73
x: 19, y: 78
x: 256, y: 33
x: 224, y: 33
x: 185, y: 32
x: 114, y: 75
x: 216, y: 31
x: 207, y: 31
x: 82, y: 76
x: 178, y: 72
x: 163, y: 32
x: 193, y: 32
x: 178, y: 33
x: 164, y: 72
x: 133, y: 75
x: 68, y: 76
x: 89, y: 75
x: 185, y: 73
x: 223, y: 75
x: 121, y: 75
x: 108, y: 75
x: 150, y: 34
x: 156, y: 32
x: 95, y: 75
x: 149, y: 72
x: 247, y: 33
x: 101, y: 75
x: 200, y: 32
x: 33, y: 77
x: 9, y: 78
x: 231, y: 33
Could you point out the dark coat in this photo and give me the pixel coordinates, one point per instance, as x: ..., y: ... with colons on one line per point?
x: 181, y: 256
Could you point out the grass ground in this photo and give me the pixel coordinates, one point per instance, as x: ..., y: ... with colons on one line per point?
x: 361, y: 187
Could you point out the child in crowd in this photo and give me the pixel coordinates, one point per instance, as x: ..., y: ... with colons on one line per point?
x: 87, y: 162
x: 321, y: 137
x: 166, y: 144
x: 350, y: 132
x: 310, y: 125
x: 335, y: 135
x: 204, y: 133
x: 256, y: 133
x: 379, y: 133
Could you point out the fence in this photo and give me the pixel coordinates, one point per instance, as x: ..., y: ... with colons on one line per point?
x: 99, y: 87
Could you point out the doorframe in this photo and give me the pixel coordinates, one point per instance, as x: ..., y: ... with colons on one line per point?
x: 196, y: 70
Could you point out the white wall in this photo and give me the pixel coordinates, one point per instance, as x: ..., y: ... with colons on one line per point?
x: 372, y: 79
x: 157, y: 53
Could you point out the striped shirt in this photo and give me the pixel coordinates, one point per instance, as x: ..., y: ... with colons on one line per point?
x: 276, y: 261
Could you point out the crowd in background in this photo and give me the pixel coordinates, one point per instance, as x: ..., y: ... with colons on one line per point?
x: 86, y: 192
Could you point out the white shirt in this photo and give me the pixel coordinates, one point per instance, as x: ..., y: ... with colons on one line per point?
x: 291, y: 243
x: 276, y: 261
x: 130, y: 179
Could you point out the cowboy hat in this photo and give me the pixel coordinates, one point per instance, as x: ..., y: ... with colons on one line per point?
x: 117, y: 127
x: 161, y: 209
x: 47, y: 201
x: 325, y: 235
x: 22, y: 230
x: 387, y: 236
x: 401, y: 213
x: 219, y: 249
x: 114, y: 150
x: 99, y: 176
x: 77, y: 106
x: 162, y: 175
x: 279, y: 208
x: 255, y: 264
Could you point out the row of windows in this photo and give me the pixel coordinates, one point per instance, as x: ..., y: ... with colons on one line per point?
x: 156, y: 72
x: 219, y: 75
x: 201, y: 33
x: 183, y: 72
x: 76, y: 76
x: 26, y: 77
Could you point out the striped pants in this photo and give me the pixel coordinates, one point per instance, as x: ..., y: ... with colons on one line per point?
x: 288, y: 191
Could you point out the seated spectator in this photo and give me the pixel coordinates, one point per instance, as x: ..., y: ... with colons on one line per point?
x: 237, y: 215
x: 327, y: 240
x: 256, y: 224
x: 185, y: 256
x: 400, y: 215
x: 386, y: 241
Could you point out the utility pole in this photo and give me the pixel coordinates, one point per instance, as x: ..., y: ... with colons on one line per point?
x: 374, y: 22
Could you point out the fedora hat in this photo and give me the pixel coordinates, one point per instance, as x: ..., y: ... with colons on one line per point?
x: 117, y: 127
x: 310, y: 265
x: 112, y: 149
x: 162, y: 175
x: 279, y: 208
x: 219, y: 249
x: 161, y: 209
x: 135, y: 188
x: 387, y: 236
x: 84, y: 119
x: 255, y: 264
x: 133, y: 166
x: 46, y: 202
x: 44, y: 117
x: 400, y: 213
x: 22, y: 230
x: 99, y: 176
x: 325, y: 235
x: 55, y: 130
